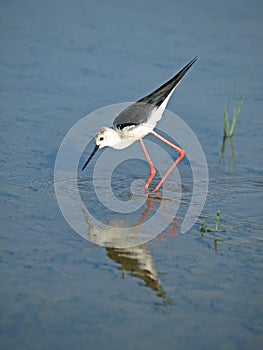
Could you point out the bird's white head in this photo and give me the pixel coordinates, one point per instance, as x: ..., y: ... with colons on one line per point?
x: 104, y: 137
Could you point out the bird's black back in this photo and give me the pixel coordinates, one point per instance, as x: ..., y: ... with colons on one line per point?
x: 139, y: 111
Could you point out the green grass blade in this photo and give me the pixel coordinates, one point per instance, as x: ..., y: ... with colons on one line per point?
x: 226, y: 123
x: 237, y: 110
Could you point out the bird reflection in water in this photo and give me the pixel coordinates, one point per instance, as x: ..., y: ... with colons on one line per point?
x: 135, y: 261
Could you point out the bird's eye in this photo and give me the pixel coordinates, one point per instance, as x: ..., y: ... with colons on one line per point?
x: 101, y: 138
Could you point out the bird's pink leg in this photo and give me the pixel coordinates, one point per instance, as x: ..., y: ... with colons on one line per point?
x: 152, y: 169
x: 180, y: 157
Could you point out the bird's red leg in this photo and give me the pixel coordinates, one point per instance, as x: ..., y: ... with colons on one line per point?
x: 152, y: 169
x: 180, y: 157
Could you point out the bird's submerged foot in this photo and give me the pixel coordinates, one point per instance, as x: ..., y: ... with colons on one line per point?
x: 153, y: 194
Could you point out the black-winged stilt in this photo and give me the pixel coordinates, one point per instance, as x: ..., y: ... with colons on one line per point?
x: 138, y: 120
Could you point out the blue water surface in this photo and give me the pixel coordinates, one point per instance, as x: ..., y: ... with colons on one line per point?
x: 63, y: 59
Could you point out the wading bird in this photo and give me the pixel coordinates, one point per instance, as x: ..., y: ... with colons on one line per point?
x: 140, y: 119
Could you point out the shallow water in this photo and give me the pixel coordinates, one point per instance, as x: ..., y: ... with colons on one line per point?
x: 60, y: 61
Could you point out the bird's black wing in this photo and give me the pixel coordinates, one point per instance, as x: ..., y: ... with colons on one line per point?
x: 133, y: 115
x: 140, y: 111
x: 158, y: 96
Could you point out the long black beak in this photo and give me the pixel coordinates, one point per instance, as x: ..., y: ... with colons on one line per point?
x: 92, y: 154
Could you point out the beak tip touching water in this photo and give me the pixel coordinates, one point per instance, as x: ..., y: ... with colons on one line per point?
x: 91, y: 156
x: 84, y: 166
